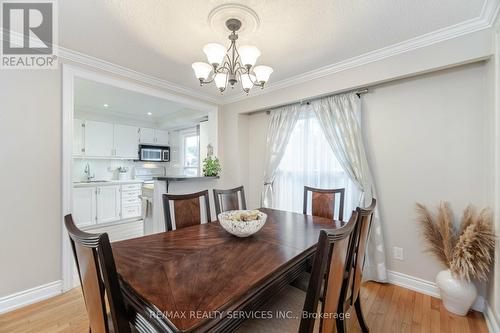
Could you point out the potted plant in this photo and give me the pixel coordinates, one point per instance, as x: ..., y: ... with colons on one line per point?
x: 467, y: 252
x: 211, y: 166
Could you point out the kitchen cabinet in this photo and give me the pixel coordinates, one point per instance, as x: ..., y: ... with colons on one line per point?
x: 78, y: 137
x: 102, y: 204
x: 131, y: 202
x: 98, y: 139
x: 147, y: 135
x: 153, y: 136
x: 114, y: 141
x: 161, y: 137
x: 108, y: 203
x: 84, y: 206
x: 126, y: 141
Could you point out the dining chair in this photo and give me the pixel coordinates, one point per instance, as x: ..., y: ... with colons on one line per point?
x: 323, y: 202
x: 353, y: 276
x: 229, y: 199
x: 187, y: 209
x: 99, y: 280
x: 329, y: 264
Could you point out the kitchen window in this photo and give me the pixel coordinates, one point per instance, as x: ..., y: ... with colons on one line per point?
x: 191, y: 153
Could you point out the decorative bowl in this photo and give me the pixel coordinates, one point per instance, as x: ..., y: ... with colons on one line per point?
x: 231, y: 222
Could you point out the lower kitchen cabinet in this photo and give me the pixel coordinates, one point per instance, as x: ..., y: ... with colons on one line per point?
x: 84, y: 206
x: 95, y: 205
x: 108, y: 203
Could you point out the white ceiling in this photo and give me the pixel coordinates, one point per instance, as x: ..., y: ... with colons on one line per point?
x: 163, y: 37
x: 92, y: 96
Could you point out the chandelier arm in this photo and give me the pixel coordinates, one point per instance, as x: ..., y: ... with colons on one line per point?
x: 256, y: 83
x: 221, y: 69
x: 242, y: 69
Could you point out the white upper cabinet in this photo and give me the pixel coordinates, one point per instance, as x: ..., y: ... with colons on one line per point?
x: 153, y: 136
x: 78, y: 138
x: 126, y: 141
x: 107, y: 140
x: 98, y: 139
x: 108, y: 203
x: 161, y: 137
x: 147, y: 135
x: 84, y: 206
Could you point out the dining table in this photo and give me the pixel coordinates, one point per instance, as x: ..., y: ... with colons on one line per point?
x: 203, y: 279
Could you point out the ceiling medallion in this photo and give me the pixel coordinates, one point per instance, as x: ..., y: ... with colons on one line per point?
x: 232, y: 65
x: 217, y: 18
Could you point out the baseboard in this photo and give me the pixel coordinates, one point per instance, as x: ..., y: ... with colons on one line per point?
x: 29, y: 296
x: 425, y: 287
x: 491, y: 319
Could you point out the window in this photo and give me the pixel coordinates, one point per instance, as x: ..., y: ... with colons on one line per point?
x: 309, y: 160
x: 191, y: 153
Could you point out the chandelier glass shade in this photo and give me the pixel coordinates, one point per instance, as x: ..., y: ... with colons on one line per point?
x: 232, y: 65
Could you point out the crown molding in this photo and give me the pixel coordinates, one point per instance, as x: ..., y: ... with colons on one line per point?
x: 485, y: 20
x: 97, y: 63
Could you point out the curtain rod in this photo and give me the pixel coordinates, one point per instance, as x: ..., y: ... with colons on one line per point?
x: 307, y: 101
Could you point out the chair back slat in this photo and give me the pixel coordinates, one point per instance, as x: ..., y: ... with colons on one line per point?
x: 92, y: 287
x: 228, y: 199
x: 334, y: 282
x: 98, y: 279
x: 187, y: 209
x: 330, y: 259
x: 187, y: 212
x: 365, y: 216
x: 323, y: 202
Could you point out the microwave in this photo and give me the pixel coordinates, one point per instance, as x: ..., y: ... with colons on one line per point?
x: 154, y: 153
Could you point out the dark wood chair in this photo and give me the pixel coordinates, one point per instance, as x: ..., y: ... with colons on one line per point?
x: 99, y: 280
x: 323, y: 202
x: 354, y: 273
x: 228, y: 199
x: 330, y: 264
x: 187, y: 209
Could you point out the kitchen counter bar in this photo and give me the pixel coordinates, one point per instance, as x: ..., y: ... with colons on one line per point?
x: 169, y: 179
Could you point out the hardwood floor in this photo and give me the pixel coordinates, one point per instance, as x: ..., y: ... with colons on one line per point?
x: 387, y: 308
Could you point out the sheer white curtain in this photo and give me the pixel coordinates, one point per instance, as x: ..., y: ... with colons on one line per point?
x: 308, y: 160
x: 340, y: 119
x: 280, y: 128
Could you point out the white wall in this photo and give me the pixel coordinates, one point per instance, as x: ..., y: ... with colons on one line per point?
x: 428, y: 139
x: 426, y: 143
x: 30, y: 174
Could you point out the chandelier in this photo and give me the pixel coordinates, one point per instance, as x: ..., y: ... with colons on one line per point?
x: 232, y: 65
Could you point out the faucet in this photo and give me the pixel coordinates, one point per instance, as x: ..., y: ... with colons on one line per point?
x: 86, y: 172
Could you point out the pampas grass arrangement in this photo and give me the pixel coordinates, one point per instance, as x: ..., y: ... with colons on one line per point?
x: 468, y: 251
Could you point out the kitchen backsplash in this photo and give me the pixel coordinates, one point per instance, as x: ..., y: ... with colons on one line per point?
x: 107, y: 169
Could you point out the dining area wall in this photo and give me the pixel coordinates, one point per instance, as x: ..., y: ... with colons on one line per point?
x: 406, y: 123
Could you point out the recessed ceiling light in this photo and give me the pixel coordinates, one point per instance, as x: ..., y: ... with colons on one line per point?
x: 149, y: 114
x: 105, y: 106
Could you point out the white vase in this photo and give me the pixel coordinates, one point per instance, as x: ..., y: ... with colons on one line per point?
x: 122, y: 176
x: 457, y: 294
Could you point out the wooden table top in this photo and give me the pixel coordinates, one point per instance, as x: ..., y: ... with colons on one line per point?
x: 205, y: 269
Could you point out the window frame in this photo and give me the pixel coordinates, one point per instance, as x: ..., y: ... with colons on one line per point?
x: 189, y: 133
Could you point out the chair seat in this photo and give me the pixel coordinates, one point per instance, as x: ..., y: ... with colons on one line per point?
x: 289, y: 299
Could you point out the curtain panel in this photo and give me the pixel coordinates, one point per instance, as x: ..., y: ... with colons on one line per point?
x: 280, y: 128
x: 340, y: 119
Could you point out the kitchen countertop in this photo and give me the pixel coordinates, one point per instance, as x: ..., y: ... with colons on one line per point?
x: 107, y: 183
x: 183, y: 178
